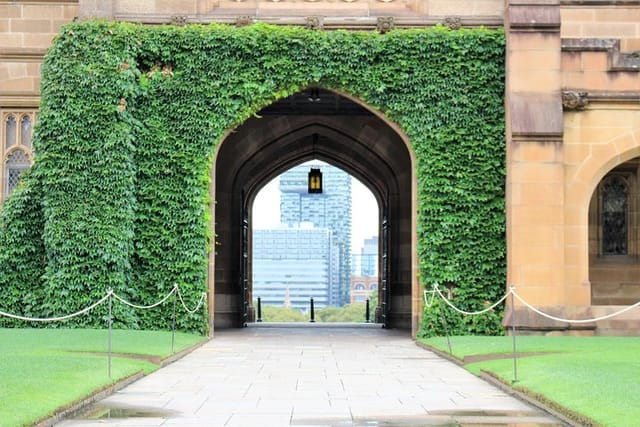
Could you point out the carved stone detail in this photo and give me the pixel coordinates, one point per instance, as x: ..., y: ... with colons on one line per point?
x: 384, y: 24
x: 244, y: 20
x: 453, y: 22
x: 313, y: 23
x: 179, y: 20
x: 572, y: 100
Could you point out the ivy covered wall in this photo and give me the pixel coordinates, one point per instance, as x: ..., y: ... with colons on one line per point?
x: 129, y: 122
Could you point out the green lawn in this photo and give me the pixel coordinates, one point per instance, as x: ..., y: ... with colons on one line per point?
x: 597, y: 377
x: 42, y: 370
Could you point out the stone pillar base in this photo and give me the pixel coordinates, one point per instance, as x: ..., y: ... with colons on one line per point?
x: 527, y: 322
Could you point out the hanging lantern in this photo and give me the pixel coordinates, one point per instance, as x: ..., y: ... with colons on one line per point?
x: 315, y: 181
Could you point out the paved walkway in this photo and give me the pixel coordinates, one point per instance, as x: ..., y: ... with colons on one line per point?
x: 313, y: 377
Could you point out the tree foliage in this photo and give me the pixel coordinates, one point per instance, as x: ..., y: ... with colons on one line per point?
x: 130, y: 119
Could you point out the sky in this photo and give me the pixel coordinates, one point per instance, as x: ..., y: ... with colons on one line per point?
x: 364, y: 211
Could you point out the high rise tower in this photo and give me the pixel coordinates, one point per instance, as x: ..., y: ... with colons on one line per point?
x: 330, y: 209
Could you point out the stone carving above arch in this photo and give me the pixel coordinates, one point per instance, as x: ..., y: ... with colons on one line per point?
x: 453, y: 22
x: 314, y: 23
x: 385, y: 24
x: 243, y: 20
x: 179, y: 20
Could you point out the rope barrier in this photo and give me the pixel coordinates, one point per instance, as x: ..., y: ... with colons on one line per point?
x: 146, y: 307
x: 468, y: 313
x: 514, y: 296
x: 428, y: 304
x: 512, y: 290
x: 56, y: 319
x: 202, y: 298
x: 110, y: 293
x: 559, y: 319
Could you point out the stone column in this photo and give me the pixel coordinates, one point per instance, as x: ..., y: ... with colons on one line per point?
x: 535, y: 169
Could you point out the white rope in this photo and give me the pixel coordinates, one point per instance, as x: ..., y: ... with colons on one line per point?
x: 110, y: 293
x: 202, y: 298
x: 146, y: 307
x: 56, y: 319
x: 468, y: 313
x: 428, y: 303
x: 559, y: 319
x: 512, y: 290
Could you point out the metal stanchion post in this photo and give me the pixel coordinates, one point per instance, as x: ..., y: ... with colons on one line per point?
x: 312, y: 314
x: 446, y: 329
x: 173, y: 321
x: 259, y: 319
x: 109, y: 345
x: 513, y: 333
x: 367, y: 313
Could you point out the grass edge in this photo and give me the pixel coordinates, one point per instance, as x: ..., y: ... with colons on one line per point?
x: 73, y: 408
x: 566, y: 415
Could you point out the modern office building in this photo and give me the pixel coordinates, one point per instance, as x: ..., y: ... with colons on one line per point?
x: 365, y: 262
x: 330, y: 209
x: 369, y: 257
x: 291, y: 265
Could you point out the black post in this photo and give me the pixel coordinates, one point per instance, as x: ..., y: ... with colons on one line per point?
x: 367, y: 313
x: 312, y: 313
x: 259, y: 319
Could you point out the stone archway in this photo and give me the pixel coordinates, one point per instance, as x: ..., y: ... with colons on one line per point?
x: 614, y: 270
x: 337, y: 130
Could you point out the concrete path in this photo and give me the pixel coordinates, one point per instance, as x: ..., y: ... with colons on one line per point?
x: 312, y: 377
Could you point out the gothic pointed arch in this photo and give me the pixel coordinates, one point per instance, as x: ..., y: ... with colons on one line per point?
x: 342, y: 133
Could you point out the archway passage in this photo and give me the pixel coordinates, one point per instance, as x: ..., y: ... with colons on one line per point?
x: 313, y: 124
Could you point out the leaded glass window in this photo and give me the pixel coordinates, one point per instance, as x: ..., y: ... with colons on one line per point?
x: 10, y: 132
x: 615, y: 200
x: 26, y: 130
x: 17, y: 163
x: 16, y: 135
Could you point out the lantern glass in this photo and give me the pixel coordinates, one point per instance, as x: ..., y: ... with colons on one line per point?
x: 315, y: 181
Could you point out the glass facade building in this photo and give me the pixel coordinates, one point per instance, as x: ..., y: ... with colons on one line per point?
x: 329, y: 210
x: 291, y: 265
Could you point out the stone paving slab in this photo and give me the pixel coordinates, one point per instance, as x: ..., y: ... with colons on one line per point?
x: 313, y: 377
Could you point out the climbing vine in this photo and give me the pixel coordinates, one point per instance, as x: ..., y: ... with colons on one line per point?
x: 130, y: 118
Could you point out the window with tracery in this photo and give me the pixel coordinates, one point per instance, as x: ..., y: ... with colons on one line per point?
x: 15, y: 134
x: 615, y: 220
x: 17, y: 163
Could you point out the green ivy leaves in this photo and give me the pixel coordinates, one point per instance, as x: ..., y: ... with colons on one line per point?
x: 130, y: 119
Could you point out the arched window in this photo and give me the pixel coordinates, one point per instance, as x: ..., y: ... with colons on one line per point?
x: 15, y: 147
x: 10, y: 132
x: 25, y: 131
x: 359, y: 287
x: 615, y: 202
x: 17, y: 162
